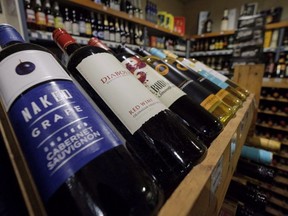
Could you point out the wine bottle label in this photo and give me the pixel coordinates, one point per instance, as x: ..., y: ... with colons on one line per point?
x: 205, y: 74
x: 82, y: 27
x: 222, y: 94
x: 58, y: 130
x: 58, y: 22
x: 68, y: 26
x: 209, y: 102
x: 120, y: 90
x: 209, y: 70
x: 88, y: 28
x: 40, y: 18
x: 50, y: 20
x: 166, y: 91
x: 30, y: 16
x: 75, y: 29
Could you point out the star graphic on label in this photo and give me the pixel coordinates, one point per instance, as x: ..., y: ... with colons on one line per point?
x: 52, y: 144
x: 59, y: 139
x: 46, y: 149
x: 66, y: 134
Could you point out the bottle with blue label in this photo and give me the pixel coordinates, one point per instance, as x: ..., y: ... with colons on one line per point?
x: 79, y: 165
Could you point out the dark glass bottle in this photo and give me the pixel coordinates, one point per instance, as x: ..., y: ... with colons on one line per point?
x: 198, y: 93
x: 158, y: 138
x: 82, y: 25
x: 80, y: 166
x: 256, y: 171
x: 30, y: 15
x: 49, y: 16
x: 40, y: 16
x: 201, y: 122
x: 249, y: 194
x: 207, y: 28
x: 100, y: 27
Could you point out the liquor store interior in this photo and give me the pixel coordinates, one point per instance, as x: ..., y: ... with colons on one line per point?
x: 143, y: 108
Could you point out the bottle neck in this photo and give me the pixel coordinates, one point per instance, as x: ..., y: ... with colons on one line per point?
x: 143, y: 52
x: 123, y: 48
x: 65, y: 41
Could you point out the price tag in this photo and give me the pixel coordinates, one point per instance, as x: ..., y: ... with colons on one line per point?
x: 278, y: 80
x: 34, y: 34
x: 44, y: 36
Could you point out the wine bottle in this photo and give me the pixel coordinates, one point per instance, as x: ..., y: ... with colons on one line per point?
x: 80, y: 166
x: 193, y: 64
x: 256, y: 171
x: 67, y: 21
x: 100, y: 27
x: 106, y: 28
x: 249, y: 194
x: 201, y: 122
x: 240, y: 93
x: 30, y: 15
x: 75, y: 24
x: 197, y: 92
x: 49, y: 17
x: 40, y: 16
x: 207, y: 28
x: 258, y: 155
x: 221, y: 93
x: 82, y: 25
x: 117, y: 31
x: 58, y: 19
x: 158, y: 138
x: 224, y: 21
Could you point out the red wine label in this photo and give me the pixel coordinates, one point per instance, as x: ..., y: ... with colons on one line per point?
x: 166, y: 91
x: 121, y: 91
x: 58, y: 129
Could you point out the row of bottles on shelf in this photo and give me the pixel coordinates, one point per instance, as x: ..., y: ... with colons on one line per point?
x: 85, y: 23
x: 277, y: 69
x: 67, y: 142
x: 214, y: 43
x: 279, y: 108
x: 274, y: 93
x: 271, y: 121
x: 219, y: 63
x: 134, y: 8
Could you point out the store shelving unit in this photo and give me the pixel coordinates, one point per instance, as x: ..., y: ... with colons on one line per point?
x: 203, y: 189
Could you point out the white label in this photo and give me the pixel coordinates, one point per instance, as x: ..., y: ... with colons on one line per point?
x: 24, y: 69
x: 121, y: 91
x: 162, y: 88
x: 202, y: 66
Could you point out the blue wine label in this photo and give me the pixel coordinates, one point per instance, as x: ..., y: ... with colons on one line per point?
x: 213, y: 79
x: 58, y: 129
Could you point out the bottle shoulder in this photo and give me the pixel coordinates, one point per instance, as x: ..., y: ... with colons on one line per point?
x: 20, y: 47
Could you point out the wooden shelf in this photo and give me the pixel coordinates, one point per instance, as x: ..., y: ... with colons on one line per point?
x: 213, y: 34
x: 283, y: 100
x: 277, y: 25
x: 275, y: 82
x: 106, y: 10
x: 273, y: 113
x: 203, y: 190
x: 212, y: 53
x: 274, y: 127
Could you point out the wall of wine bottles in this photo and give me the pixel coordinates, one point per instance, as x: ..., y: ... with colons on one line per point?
x: 112, y: 21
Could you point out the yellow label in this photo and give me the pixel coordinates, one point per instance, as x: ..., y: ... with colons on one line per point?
x: 222, y: 94
x: 209, y: 101
x: 267, y: 39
